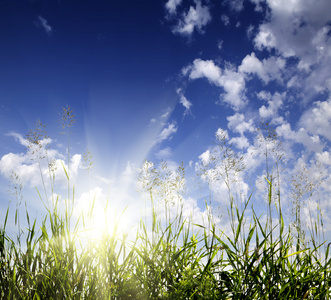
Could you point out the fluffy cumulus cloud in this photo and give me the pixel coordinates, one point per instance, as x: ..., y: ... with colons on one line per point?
x: 324, y: 158
x: 205, y: 157
x: 240, y: 142
x: 300, y: 29
x: 275, y: 103
x: 267, y: 69
x: 204, y: 68
x: 172, y: 5
x: 27, y: 172
x: 312, y: 143
x: 292, y: 50
x: 196, y: 18
x: 317, y: 120
x: 232, y: 82
x: 221, y: 134
x: 30, y: 169
x: 238, y: 124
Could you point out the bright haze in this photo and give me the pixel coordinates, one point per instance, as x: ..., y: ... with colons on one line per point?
x: 159, y: 80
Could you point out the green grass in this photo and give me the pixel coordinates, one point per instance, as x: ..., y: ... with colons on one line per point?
x: 51, y: 263
x: 260, y: 258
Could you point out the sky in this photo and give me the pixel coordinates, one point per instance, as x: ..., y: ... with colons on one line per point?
x: 163, y: 80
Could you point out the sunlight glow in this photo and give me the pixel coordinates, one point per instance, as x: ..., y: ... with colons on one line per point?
x: 102, y: 215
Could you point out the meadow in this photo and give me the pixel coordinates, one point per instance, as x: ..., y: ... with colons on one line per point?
x: 171, y: 256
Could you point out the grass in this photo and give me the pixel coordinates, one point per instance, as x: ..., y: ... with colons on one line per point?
x: 169, y: 259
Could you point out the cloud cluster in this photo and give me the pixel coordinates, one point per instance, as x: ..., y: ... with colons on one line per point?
x: 291, y: 59
x: 172, y: 5
x: 294, y: 42
x: 317, y: 120
x: 267, y: 69
x: 195, y: 18
x: 30, y: 169
x: 232, y: 82
x: 275, y: 103
x: 238, y: 124
x: 301, y: 30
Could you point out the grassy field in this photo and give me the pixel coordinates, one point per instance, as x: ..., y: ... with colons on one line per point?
x: 172, y: 258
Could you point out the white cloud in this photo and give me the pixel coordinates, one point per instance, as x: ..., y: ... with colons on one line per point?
x: 237, y: 123
x: 252, y: 158
x: 225, y: 19
x: 300, y: 29
x: 264, y: 95
x: 301, y: 136
x: 324, y: 158
x: 221, y: 134
x: 318, y: 119
x: 266, y: 39
x: 44, y: 24
x: 19, y: 138
x: 11, y: 162
x: 30, y: 173
x: 240, y: 142
x: 267, y: 69
x: 275, y: 102
x: 167, y: 132
x: 30, y: 170
x: 251, y: 64
x: 172, y: 5
x: 191, y: 211
x: 231, y: 81
x: 234, y: 87
x: 166, y: 114
x: 184, y: 101
x: 187, y: 104
x: 196, y: 18
x: 205, y: 157
x: 204, y: 68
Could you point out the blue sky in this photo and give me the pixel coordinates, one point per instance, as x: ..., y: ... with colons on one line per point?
x: 157, y: 80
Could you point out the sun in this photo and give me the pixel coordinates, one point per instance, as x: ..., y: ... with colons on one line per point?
x: 102, y: 216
